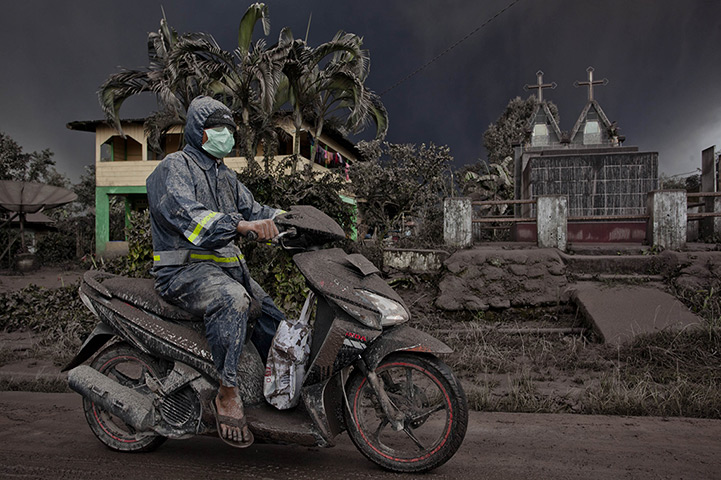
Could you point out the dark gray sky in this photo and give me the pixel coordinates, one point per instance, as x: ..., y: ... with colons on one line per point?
x: 662, y: 59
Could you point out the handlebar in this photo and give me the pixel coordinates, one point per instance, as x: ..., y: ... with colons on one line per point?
x: 253, y: 236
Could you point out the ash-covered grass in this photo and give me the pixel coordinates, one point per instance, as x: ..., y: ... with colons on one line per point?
x: 505, y: 364
x: 57, y: 317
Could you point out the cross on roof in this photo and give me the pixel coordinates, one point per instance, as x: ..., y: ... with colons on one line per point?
x: 591, y: 82
x: 540, y: 85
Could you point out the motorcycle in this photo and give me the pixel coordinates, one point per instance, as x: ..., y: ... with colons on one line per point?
x: 151, y: 376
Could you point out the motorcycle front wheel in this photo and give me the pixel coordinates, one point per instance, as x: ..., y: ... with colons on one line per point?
x: 435, y: 412
x: 128, y: 367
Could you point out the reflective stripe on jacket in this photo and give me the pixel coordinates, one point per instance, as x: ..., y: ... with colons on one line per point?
x: 181, y: 257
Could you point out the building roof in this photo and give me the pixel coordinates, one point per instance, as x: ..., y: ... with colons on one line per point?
x: 584, y: 114
x: 92, y: 125
x: 542, y: 108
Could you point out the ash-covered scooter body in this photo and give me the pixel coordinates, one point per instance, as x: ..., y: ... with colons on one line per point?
x: 152, y: 375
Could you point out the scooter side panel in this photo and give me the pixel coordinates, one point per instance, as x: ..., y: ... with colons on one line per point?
x: 324, y: 404
x: 344, y: 342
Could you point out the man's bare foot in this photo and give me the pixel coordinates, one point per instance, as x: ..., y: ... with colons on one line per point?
x: 231, y: 417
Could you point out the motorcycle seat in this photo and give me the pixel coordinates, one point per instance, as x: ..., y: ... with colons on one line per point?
x: 141, y: 293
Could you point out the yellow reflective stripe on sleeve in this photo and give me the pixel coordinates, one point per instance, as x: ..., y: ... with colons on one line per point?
x: 200, y: 225
x: 215, y: 258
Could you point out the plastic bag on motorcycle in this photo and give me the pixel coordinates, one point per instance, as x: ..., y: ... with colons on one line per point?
x: 287, y: 360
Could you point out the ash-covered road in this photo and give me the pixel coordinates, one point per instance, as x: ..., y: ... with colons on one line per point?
x: 45, y: 436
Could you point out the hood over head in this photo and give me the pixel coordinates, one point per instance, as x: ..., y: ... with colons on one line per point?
x: 199, y: 110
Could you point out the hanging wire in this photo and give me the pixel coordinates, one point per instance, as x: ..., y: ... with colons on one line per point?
x: 473, y: 32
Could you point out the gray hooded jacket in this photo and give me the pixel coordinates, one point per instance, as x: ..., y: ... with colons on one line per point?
x: 196, y: 202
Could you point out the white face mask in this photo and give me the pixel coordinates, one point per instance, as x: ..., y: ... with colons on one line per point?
x: 220, y: 141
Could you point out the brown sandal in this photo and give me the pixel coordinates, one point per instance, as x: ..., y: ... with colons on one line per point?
x: 240, y: 423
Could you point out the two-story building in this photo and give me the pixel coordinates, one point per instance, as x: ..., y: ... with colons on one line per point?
x: 123, y: 164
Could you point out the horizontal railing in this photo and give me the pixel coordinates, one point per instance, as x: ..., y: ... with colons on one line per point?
x: 662, y: 217
x: 702, y: 194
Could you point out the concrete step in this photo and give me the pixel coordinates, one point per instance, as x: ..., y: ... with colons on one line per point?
x: 620, y: 314
x: 615, y: 277
x: 616, y: 264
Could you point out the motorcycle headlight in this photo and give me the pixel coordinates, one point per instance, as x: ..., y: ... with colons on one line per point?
x: 366, y: 316
x: 391, y: 312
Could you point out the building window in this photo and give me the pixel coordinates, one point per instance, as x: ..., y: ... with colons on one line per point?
x: 106, y: 151
x: 539, y: 137
x: 169, y: 143
x: 119, y: 149
x: 591, y: 133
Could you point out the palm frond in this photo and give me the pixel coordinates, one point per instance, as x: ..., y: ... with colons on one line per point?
x: 255, y: 12
x: 118, y: 88
x: 157, y: 124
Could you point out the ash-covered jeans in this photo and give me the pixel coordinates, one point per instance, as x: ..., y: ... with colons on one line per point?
x: 220, y: 297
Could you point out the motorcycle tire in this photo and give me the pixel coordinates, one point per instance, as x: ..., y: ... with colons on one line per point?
x: 435, y: 409
x: 127, y: 366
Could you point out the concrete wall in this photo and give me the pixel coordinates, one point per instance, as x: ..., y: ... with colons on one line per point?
x: 414, y: 260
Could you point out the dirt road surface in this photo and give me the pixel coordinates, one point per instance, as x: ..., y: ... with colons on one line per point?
x: 44, y: 435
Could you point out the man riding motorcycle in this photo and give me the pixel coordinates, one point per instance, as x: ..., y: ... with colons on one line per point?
x: 197, y: 209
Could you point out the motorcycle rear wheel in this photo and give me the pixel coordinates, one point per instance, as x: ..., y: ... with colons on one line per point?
x: 436, y: 414
x: 128, y: 367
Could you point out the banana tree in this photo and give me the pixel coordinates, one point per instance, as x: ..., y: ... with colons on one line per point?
x: 495, y: 184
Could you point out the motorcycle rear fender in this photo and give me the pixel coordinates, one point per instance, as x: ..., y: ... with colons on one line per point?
x: 402, y: 338
x: 92, y: 344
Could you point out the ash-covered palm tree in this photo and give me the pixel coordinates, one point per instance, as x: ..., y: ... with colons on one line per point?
x: 246, y: 80
x: 326, y: 85
x: 177, y: 73
x: 173, y: 96
x: 321, y: 85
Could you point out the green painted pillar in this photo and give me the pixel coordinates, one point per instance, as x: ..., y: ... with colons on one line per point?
x: 102, y: 219
x: 102, y: 211
x: 354, y: 227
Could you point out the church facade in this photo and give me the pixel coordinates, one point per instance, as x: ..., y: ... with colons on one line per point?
x: 590, y: 165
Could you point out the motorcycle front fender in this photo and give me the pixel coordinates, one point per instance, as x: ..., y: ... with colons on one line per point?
x: 92, y: 344
x: 402, y: 338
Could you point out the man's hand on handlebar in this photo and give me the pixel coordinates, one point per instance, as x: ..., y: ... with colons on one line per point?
x: 263, y: 230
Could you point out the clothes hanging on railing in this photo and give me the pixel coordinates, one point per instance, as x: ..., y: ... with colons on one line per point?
x: 328, y: 159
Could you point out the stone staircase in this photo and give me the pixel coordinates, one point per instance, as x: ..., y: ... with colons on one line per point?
x: 625, y: 268
x: 622, y: 296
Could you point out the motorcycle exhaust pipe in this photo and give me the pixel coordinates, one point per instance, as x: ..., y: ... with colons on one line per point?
x: 132, y: 407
